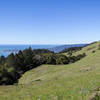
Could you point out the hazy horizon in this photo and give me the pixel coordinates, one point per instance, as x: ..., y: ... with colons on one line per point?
x: 49, y: 44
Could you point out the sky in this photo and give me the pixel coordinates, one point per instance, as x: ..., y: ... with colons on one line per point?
x: 49, y: 21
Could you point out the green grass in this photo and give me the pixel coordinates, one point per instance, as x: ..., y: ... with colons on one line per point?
x: 75, y: 81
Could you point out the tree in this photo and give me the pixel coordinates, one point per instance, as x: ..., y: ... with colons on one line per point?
x: 2, y: 60
x: 11, y: 61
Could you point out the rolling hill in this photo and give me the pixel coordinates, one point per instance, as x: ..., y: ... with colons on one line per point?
x: 77, y: 81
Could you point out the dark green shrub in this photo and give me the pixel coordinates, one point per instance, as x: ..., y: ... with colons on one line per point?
x: 93, y: 51
x: 61, y: 59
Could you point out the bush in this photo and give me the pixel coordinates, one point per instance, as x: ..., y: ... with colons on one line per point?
x: 93, y: 51
x: 61, y: 59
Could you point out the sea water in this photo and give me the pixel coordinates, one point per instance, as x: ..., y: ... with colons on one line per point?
x: 5, y: 50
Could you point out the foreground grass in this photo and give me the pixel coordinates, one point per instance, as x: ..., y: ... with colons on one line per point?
x: 58, y: 82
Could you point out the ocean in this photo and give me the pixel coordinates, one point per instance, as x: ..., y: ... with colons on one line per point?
x: 5, y: 50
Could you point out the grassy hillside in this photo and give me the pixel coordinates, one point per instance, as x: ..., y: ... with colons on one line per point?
x: 59, y: 82
x: 88, y: 49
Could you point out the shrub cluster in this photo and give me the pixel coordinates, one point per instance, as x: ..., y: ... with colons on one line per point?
x: 13, y: 66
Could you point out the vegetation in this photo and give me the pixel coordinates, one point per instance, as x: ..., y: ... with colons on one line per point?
x: 77, y: 81
x: 14, y: 66
x: 72, y: 49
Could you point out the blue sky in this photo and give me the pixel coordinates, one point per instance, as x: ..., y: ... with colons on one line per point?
x: 49, y: 21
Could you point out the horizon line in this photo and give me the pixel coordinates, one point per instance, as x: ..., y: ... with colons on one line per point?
x: 47, y: 44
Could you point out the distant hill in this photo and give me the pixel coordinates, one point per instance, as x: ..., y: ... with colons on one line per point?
x: 62, y: 47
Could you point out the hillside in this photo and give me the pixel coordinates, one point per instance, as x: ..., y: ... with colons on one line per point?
x: 62, y: 47
x: 59, y: 82
x: 88, y: 50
